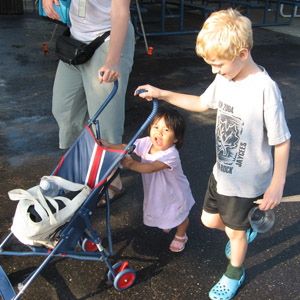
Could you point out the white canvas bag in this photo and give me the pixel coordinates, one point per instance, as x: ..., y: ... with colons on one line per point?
x: 39, y: 233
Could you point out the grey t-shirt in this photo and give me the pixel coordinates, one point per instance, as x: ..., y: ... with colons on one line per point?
x: 250, y: 120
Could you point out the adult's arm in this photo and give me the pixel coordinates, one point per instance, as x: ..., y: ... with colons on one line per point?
x: 120, y: 14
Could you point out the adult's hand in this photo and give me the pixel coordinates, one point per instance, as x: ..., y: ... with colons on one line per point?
x: 48, y: 6
x: 108, y: 73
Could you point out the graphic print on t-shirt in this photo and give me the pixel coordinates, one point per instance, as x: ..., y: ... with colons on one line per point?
x: 228, y: 134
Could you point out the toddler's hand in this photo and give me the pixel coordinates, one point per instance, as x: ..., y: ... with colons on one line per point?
x: 127, y: 161
x: 104, y: 143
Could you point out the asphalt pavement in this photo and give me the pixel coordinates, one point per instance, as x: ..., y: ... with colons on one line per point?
x: 29, y: 150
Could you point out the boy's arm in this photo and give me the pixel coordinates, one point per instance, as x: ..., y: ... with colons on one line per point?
x: 142, y: 167
x: 188, y: 102
x: 273, y: 194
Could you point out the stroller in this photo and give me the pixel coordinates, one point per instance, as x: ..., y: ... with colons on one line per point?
x: 86, y: 162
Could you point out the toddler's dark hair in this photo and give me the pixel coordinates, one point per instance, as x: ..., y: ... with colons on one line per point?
x: 174, y: 120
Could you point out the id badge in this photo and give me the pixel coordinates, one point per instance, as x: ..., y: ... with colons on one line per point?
x: 82, y: 8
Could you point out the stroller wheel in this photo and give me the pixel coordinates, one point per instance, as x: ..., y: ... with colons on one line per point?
x: 124, y: 279
x: 79, y: 243
x: 117, y: 269
x: 89, y: 246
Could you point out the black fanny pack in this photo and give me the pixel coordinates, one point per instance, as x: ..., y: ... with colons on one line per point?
x: 75, y: 52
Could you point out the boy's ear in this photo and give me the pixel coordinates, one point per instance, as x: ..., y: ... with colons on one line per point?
x: 244, y: 53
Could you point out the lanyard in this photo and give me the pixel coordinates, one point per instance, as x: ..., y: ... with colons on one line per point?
x: 82, y: 8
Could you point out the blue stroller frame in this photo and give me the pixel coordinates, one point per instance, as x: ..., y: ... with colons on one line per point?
x: 86, y: 162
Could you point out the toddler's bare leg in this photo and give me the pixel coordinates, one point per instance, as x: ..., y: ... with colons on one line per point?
x: 180, y: 239
x: 181, y: 229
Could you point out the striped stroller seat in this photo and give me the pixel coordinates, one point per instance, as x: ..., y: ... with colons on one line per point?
x: 88, y: 163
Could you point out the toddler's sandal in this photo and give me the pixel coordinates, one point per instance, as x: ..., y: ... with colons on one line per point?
x: 226, y: 288
x: 178, y: 243
x: 251, y: 235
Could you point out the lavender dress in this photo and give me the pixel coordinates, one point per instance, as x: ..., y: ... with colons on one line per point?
x: 167, y: 195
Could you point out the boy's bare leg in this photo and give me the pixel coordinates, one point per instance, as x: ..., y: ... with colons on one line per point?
x: 212, y: 221
x: 238, y: 239
x: 238, y: 245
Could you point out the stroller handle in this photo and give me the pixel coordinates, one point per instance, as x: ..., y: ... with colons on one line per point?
x: 110, y: 96
x: 146, y: 123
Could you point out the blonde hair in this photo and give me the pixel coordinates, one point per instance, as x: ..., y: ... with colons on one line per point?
x: 223, y: 35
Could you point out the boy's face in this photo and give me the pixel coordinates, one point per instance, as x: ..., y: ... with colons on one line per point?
x: 231, y: 70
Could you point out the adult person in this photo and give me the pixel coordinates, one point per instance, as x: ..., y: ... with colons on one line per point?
x: 79, y: 90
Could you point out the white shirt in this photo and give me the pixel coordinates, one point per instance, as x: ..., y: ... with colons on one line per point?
x: 89, y: 19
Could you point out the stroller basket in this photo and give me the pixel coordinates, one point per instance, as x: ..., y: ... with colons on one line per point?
x: 88, y: 163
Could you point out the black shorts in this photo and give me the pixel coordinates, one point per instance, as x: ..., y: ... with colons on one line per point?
x: 233, y: 210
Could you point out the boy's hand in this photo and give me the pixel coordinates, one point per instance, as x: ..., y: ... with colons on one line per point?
x: 152, y: 92
x: 272, y: 198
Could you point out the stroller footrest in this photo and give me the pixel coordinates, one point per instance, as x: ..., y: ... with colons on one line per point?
x: 7, y: 292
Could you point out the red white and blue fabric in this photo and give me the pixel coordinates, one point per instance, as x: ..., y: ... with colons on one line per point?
x: 88, y: 163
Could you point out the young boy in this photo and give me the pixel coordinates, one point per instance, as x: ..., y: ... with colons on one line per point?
x: 250, y: 121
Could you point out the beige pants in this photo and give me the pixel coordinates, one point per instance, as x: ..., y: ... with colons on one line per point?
x: 77, y: 95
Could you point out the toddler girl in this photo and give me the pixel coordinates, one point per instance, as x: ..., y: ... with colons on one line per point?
x: 167, y: 195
